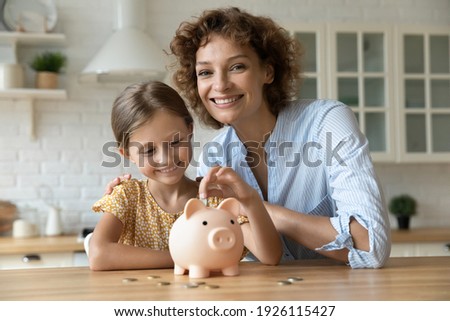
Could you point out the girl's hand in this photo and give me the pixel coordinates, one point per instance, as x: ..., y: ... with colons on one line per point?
x: 116, y: 181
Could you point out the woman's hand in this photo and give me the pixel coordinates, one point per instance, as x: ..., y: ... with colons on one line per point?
x: 116, y: 181
x: 225, y: 182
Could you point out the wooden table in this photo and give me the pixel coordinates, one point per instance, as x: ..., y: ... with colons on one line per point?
x: 40, y: 244
x: 413, y: 278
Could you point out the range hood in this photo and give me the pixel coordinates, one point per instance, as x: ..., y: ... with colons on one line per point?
x: 129, y: 54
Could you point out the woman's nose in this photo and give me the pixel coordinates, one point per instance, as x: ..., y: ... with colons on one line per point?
x: 221, y: 82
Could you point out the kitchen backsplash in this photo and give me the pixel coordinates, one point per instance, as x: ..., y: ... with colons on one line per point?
x: 63, y: 166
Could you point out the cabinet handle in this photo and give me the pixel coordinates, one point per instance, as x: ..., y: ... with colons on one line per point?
x: 31, y: 257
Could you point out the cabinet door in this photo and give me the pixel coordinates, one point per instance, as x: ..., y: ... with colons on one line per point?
x: 424, y: 95
x: 312, y: 40
x: 360, y: 76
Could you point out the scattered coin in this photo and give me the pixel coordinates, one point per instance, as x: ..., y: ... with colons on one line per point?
x: 151, y: 277
x: 294, y: 279
x: 191, y: 286
x: 198, y: 283
x: 211, y: 286
x: 126, y: 280
x: 162, y: 283
x: 284, y: 282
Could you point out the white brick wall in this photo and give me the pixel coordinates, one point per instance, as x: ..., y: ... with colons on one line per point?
x: 67, y: 154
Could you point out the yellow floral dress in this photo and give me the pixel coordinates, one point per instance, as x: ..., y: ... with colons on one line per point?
x: 145, y: 223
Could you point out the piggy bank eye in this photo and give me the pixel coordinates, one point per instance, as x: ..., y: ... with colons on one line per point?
x: 205, y: 223
x: 232, y: 222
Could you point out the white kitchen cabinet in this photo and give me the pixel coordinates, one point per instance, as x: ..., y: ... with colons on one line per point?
x: 424, y: 94
x: 396, y: 80
x: 360, y: 76
x: 420, y: 249
x: 43, y: 260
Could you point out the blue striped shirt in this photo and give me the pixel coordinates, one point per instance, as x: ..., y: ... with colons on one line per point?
x: 318, y: 163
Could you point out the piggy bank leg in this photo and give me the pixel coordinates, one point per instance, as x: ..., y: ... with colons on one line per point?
x: 196, y: 271
x: 231, y: 270
x: 178, y: 270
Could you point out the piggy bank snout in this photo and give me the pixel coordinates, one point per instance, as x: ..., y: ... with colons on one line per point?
x: 221, y: 239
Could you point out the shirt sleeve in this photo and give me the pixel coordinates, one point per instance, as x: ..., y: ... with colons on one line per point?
x: 115, y: 203
x: 354, y: 188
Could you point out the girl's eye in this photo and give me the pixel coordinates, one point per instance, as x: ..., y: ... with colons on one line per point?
x: 237, y: 67
x: 149, y: 152
x: 174, y: 143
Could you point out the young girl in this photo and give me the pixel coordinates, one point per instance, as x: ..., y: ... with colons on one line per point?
x: 153, y: 128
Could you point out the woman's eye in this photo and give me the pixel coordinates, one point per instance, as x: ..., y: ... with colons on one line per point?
x: 203, y: 73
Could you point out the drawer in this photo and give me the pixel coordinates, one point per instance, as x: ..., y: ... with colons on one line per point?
x: 36, y: 260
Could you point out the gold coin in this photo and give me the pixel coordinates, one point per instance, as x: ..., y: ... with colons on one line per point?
x: 151, y: 277
x: 198, y: 283
x: 162, y: 283
x: 211, y: 286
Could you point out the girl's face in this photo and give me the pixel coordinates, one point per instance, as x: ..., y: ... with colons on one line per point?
x: 161, y: 148
x: 230, y: 80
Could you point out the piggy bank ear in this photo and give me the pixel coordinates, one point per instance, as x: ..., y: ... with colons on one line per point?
x: 231, y: 205
x: 192, y: 206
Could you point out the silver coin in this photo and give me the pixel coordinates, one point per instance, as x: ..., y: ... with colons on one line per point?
x: 294, y: 279
x: 151, y: 277
x: 198, y: 283
x: 191, y: 286
x: 162, y: 283
x: 127, y: 280
x: 284, y: 282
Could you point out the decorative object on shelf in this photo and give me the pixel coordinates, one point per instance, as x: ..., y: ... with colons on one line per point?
x: 403, y: 207
x: 11, y: 75
x: 38, y: 16
x: 48, y: 65
x: 8, y: 213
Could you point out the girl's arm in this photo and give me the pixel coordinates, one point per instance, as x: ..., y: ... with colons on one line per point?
x: 105, y: 253
x: 260, y: 235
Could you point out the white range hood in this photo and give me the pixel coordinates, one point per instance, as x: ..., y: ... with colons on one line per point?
x: 129, y: 54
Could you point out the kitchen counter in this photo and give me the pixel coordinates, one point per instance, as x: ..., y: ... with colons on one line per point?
x: 415, y: 235
x: 411, y: 278
x: 43, y: 244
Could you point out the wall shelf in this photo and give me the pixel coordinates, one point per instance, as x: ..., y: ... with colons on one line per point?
x: 12, y: 40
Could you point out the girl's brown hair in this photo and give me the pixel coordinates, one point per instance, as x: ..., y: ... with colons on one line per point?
x: 136, y: 105
x: 272, y: 44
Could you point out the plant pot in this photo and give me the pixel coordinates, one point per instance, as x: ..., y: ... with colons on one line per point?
x: 403, y: 222
x: 46, y: 80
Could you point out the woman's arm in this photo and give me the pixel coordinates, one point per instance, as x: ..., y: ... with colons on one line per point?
x: 315, y: 231
x: 260, y: 235
x: 105, y: 253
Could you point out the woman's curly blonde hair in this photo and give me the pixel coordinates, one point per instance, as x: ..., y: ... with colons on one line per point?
x: 272, y: 43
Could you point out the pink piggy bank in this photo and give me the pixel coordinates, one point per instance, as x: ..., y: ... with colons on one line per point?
x: 206, y: 239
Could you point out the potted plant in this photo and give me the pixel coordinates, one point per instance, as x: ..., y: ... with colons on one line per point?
x: 403, y: 207
x: 47, y: 66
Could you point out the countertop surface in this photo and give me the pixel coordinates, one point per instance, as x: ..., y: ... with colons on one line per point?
x: 71, y: 243
x: 426, y: 234
x: 412, y: 278
x: 43, y: 244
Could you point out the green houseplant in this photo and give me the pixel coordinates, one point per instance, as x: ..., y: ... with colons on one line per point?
x: 403, y: 207
x: 47, y: 66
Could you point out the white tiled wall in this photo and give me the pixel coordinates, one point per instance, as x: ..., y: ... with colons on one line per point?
x: 63, y: 165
